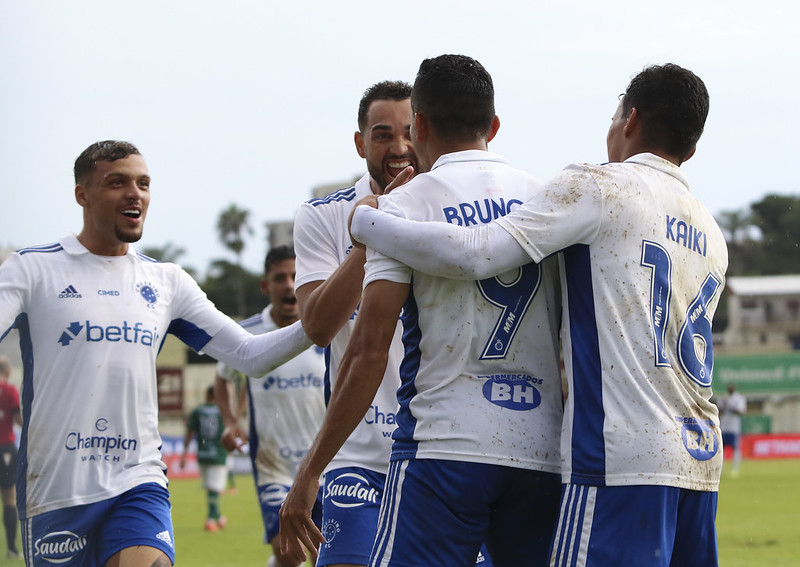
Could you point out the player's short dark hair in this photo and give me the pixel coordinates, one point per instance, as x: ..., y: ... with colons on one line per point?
x: 385, y: 90
x: 456, y: 94
x: 672, y: 103
x: 108, y: 150
x: 210, y: 393
x: 278, y: 254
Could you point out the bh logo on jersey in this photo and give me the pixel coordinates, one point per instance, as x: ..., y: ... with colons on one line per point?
x: 58, y: 547
x: 512, y: 391
x: 699, y: 438
x: 149, y: 293
x: 351, y: 490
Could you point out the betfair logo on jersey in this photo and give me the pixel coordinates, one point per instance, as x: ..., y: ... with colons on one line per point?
x: 351, y: 490
x: 58, y: 547
x: 699, y: 437
x: 479, y: 212
x: 512, y: 391
x: 69, y: 293
x: 134, y: 333
x: 302, y: 381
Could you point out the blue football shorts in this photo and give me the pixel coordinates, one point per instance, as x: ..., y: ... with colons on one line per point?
x: 635, y: 526
x: 439, y: 512
x: 350, y: 505
x: 89, y: 535
x: 270, y: 499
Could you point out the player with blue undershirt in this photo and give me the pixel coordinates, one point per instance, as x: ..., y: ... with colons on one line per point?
x: 475, y: 456
x: 642, y: 266
x: 286, y: 406
x: 92, y: 314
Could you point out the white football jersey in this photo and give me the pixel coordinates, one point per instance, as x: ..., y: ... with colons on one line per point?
x: 643, y: 267
x: 286, y: 408
x: 90, y: 329
x: 322, y: 242
x: 481, y: 379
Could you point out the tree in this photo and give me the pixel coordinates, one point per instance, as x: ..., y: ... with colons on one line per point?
x: 167, y: 253
x: 219, y: 289
x: 232, y: 226
x: 778, y: 218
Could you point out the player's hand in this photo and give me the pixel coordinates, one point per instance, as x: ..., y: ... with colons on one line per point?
x: 370, y: 201
x: 233, y: 438
x: 402, y: 178
x: 297, y: 529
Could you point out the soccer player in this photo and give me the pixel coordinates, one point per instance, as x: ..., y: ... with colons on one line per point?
x: 205, y: 422
x: 732, y: 407
x: 91, y: 314
x: 642, y: 265
x: 9, y: 416
x: 476, y: 452
x: 286, y: 406
x: 330, y: 272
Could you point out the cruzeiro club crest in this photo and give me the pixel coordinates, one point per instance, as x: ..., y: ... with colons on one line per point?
x: 148, y: 292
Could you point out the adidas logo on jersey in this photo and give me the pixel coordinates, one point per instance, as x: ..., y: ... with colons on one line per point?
x: 69, y: 293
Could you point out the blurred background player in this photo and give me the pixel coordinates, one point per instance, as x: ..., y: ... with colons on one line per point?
x: 9, y: 417
x: 286, y: 406
x: 205, y: 423
x: 732, y: 407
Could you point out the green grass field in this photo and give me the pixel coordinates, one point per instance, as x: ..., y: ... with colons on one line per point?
x: 758, y: 521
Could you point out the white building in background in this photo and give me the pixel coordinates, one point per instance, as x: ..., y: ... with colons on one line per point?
x: 763, y: 313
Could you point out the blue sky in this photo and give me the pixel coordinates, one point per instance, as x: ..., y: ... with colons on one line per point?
x: 254, y: 103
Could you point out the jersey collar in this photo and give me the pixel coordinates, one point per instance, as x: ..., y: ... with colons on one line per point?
x: 468, y: 155
x: 73, y: 246
x: 659, y: 163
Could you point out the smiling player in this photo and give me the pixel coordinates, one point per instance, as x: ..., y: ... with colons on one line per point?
x: 92, y: 314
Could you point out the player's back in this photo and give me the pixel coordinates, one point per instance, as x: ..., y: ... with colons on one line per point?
x: 639, y: 299
x: 481, y: 376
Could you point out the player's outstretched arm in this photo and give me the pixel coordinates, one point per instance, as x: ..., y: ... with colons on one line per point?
x: 257, y: 355
x: 360, y: 374
x: 439, y: 249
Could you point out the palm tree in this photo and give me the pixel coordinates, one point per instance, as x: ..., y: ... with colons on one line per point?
x: 232, y: 226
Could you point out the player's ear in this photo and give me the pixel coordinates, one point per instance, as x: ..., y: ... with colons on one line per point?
x: 631, y: 123
x: 358, y: 138
x: 80, y: 195
x: 264, y: 286
x: 421, y: 125
x: 493, y: 128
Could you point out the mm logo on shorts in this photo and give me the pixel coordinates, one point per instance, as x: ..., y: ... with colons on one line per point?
x: 58, y: 547
x: 350, y: 490
x: 512, y: 391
